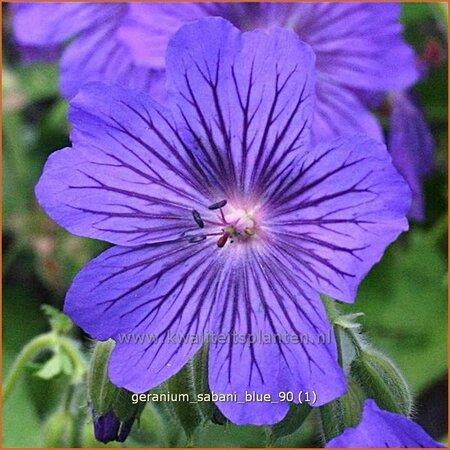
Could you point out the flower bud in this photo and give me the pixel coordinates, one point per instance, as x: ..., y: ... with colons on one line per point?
x: 59, y: 430
x: 113, y: 412
x: 90, y: 441
x: 106, y: 426
x: 381, y: 380
x: 345, y: 412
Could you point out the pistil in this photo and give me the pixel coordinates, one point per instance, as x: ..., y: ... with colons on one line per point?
x: 237, y: 225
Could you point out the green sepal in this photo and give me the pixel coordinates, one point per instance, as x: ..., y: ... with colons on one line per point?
x: 200, y: 375
x: 185, y: 413
x: 342, y: 413
x: 208, y: 409
x: 124, y: 408
x: 380, y: 380
x: 101, y: 392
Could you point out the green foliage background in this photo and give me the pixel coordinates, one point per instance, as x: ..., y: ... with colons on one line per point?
x: 404, y: 298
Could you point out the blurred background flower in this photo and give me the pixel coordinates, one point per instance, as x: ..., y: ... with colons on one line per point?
x: 360, y: 57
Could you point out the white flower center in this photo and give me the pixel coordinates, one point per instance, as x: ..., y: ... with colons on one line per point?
x: 238, y: 225
x: 227, y: 224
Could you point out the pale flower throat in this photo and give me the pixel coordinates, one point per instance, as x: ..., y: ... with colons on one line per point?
x: 229, y: 224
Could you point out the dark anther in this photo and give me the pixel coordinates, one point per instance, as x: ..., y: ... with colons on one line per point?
x: 198, y: 218
x: 218, y: 205
x: 223, y: 240
x: 197, y: 238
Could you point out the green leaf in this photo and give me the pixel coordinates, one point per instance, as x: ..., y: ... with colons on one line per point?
x: 342, y: 413
x: 51, y: 368
x: 59, y: 322
x: 66, y: 364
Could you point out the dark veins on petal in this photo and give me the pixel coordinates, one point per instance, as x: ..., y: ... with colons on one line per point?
x: 219, y: 158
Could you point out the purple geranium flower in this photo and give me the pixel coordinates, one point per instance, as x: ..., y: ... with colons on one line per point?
x: 225, y: 219
x: 380, y: 429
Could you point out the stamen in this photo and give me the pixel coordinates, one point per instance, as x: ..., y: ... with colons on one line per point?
x: 223, y: 216
x: 239, y: 225
x: 223, y: 240
x: 218, y: 205
x: 198, y: 219
x: 197, y: 238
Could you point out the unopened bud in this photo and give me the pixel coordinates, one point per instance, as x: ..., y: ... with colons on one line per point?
x: 90, y: 441
x: 380, y: 379
x: 113, y: 411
